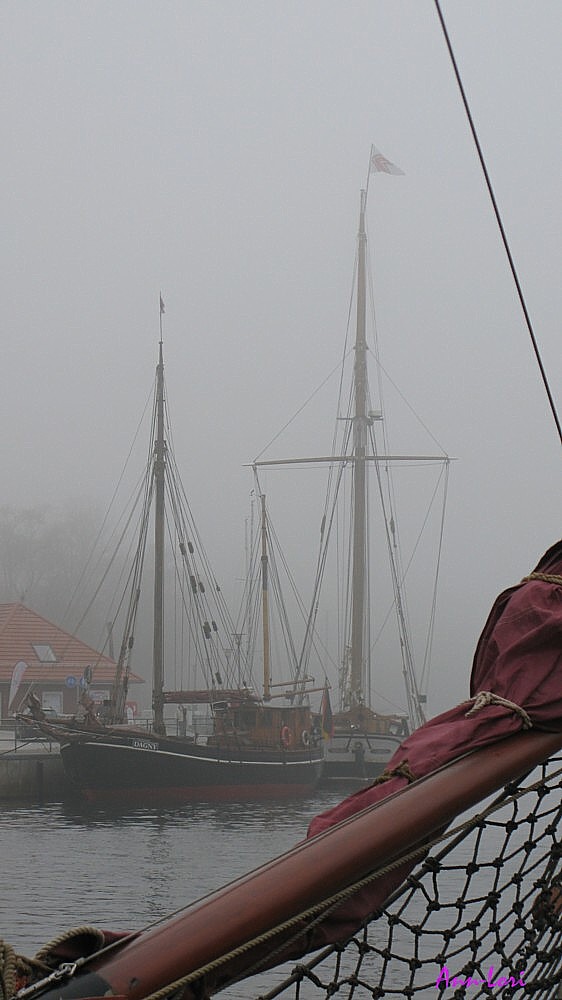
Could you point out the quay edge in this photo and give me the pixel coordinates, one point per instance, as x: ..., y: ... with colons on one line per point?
x: 31, y: 773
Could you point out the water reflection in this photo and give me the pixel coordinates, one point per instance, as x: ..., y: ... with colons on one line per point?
x: 72, y: 864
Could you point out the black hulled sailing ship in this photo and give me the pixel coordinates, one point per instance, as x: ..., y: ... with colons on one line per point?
x: 249, y: 748
x: 360, y: 738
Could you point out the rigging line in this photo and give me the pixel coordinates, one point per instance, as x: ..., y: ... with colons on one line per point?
x: 104, y: 577
x: 242, y: 616
x: 381, y: 370
x: 174, y: 520
x: 300, y: 409
x: 101, y: 529
x: 273, y: 548
x: 405, y: 570
x: 415, y: 712
x: 190, y: 528
x: 299, y: 670
x: 132, y: 578
x: 310, y: 633
x: 207, y: 604
x: 339, y: 365
x: 132, y: 589
x: 346, y: 350
x: 499, y: 222
x: 346, y: 420
x: 204, y: 651
x: 399, y: 599
x: 424, y: 679
x: 284, y: 625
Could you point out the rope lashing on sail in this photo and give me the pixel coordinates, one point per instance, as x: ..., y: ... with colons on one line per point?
x: 485, y: 698
x: 545, y: 577
x: 402, y: 770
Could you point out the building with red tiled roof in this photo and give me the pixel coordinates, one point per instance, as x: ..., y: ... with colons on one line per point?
x: 49, y: 661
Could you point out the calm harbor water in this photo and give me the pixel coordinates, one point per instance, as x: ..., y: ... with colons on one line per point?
x: 67, y: 864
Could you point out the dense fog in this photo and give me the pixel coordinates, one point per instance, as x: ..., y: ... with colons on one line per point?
x: 214, y: 153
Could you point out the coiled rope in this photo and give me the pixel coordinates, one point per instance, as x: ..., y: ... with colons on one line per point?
x: 16, y: 970
x: 8, y: 967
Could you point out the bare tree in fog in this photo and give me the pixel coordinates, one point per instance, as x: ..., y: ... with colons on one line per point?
x: 43, y: 552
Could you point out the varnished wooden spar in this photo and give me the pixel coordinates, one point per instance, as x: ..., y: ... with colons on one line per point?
x: 302, y: 878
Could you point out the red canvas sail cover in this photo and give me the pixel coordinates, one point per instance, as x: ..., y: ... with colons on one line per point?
x: 518, y: 660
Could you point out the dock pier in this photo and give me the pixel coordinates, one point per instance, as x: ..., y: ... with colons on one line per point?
x: 30, y: 770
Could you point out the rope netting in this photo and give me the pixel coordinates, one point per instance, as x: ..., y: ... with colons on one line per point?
x: 480, y: 916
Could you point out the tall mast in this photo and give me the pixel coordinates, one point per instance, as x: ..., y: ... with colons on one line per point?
x: 159, y: 478
x: 360, y: 429
x: 265, y: 604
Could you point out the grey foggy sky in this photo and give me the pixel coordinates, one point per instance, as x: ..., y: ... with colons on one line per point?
x: 215, y: 150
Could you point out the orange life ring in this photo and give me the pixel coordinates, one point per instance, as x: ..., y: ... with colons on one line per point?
x: 286, y: 736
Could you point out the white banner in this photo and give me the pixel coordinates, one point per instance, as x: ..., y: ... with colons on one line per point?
x: 17, y: 675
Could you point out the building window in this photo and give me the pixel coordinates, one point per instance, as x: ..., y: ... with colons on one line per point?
x: 44, y: 652
x: 52, y: 700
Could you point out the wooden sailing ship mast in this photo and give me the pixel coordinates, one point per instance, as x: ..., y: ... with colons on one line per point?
x: 354, y: 686
x: 265, y: 605
x: 357, y: 685
x: 293, y: 685
x: 162, y: 479
x: 159, y: 488
x: 155, y: 488
x: 356, y: 693
x: 162, y: 485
